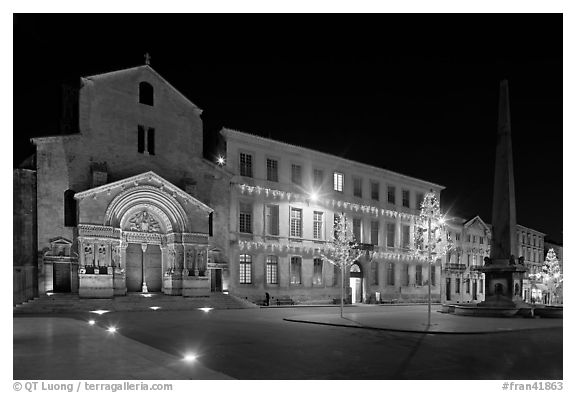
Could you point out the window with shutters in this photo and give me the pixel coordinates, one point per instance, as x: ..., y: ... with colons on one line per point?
x: 374, y: 231
x: 418, y: 275
x: 390, y: 234
x: 272, y: 220
x: 338, y: 181
x: 318, y: 225
x: 245, y: 218
x: 317, y: 275
x: 391, y: 273
x: 297, y: 174
x: 295, y: 270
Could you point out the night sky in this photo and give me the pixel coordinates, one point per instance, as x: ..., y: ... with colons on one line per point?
x: 416, y: 94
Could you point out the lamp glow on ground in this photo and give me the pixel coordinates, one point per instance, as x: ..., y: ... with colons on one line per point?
x: 146, y: 294
x: 91, y: 322
x: 206, y: 309
x: 100, y: 312
x: 189, y: 357
x: 154, y: 308
x: 220, y: 160
x: 111, y: 329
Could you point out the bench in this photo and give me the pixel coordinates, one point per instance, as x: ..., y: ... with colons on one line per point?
x: 282, y: 301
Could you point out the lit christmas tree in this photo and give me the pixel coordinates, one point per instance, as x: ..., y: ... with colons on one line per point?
x: 342, y: 251
x: 551, y: 275
x: 431, y: 238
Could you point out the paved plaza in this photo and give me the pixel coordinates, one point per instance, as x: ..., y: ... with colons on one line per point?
x: 379, y: 342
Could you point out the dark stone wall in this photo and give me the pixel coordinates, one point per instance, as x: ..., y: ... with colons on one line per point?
x: 24, y: 236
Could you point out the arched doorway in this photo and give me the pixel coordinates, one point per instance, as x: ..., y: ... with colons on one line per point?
x: 356, y: 278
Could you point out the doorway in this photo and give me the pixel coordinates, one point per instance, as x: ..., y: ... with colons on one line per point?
x: 216, y: 280
x: 61, y: 276
x: 356, y: 280
x: 151, y: 259
x: 448, y: 293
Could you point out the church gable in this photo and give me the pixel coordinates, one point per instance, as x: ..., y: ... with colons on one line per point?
x: 146, y: 75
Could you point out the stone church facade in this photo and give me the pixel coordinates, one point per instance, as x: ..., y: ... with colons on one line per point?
x: 126, y: 202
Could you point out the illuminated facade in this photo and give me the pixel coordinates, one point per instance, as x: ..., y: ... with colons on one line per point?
x: 462, y: 283
x: 283, y: 202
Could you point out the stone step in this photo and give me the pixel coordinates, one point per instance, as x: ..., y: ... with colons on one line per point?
x: 66, y: 303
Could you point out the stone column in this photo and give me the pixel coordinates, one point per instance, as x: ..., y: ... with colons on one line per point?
x: 144, y: 247
x: 119, y: 259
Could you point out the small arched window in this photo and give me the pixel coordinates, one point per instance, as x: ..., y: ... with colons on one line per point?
x: 146, y: 94
x: 69, y: 209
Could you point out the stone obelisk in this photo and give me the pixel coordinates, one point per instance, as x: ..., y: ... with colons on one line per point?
x: 503, y: 270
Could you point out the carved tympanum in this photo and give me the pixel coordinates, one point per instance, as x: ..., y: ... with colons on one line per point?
x: 144, y: 222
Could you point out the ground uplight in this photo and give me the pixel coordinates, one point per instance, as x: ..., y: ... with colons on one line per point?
x: 100, y: 312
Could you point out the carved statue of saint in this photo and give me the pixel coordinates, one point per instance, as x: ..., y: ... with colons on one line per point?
x: 89, y: 254
x: 190, y: 260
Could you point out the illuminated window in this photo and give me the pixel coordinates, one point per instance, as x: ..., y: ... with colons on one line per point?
x: 245, y: 269
x: 295, y: 222
x: 272, y: 269
x: 338, y: 181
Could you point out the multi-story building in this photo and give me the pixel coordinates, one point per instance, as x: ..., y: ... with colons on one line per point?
x: 284, y: 200
x: 463, y: 283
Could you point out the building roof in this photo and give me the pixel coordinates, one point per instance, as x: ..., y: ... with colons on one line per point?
x: 243, y: 135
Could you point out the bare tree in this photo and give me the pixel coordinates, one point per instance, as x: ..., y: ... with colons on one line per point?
x: 342, y: 251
